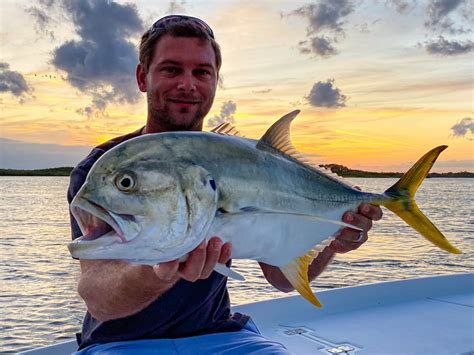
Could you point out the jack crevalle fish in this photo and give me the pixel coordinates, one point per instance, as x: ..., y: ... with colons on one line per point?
x: 156, y: 197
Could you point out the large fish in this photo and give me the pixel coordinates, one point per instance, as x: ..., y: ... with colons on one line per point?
x: 156, y: 197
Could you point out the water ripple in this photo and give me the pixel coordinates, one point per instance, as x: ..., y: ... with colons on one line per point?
x: 38, y: 279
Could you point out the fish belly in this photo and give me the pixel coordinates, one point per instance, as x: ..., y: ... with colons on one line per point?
x: 273, y: 238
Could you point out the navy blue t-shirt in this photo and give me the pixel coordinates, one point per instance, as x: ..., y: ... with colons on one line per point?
x: 187, y: 309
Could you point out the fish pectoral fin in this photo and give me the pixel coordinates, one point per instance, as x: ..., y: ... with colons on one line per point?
x: 297, y: 274
x: 226, y: 271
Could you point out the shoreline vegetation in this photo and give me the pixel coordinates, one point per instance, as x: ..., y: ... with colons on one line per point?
x: 335, y: 168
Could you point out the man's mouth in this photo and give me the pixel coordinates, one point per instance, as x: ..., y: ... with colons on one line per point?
x: 185, y: 101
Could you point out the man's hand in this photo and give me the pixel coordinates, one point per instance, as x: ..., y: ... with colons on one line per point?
x: 199, y: 265
x: 350, y: 239
x: 115, y: 289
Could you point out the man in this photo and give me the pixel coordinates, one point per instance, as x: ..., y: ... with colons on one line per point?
x: 175, y: 307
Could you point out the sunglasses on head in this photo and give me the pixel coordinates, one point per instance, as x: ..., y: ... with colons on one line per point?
x: 170, y: 19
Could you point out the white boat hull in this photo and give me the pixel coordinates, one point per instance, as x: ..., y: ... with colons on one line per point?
x: 433, y: 315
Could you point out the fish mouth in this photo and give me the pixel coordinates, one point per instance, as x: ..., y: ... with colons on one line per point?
x: 101, y: 227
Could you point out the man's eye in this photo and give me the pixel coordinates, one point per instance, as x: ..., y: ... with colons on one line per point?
x: 203, y: 72
x: 173, y: 70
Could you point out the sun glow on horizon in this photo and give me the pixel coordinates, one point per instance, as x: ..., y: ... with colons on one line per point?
x: 391, y: 99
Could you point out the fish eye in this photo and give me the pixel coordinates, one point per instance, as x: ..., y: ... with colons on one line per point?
x: 125, y: 182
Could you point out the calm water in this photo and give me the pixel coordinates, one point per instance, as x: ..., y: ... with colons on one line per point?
x: 38, y: 300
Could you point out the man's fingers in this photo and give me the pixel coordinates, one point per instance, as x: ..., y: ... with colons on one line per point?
x: 373, y: 212
x: 166, y: 271
x: 212, y: 256
x: 350, y: 239
x: 192, y: 268
x: 357, y: 220
x: 199, y: 264
x: 226, y: 253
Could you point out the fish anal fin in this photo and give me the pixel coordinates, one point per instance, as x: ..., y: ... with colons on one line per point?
x: 297, y: 274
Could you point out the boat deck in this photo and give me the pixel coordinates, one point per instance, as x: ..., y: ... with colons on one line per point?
x: 433, y: 315
x: 418, y: 316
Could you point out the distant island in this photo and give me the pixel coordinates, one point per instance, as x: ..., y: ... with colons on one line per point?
x: 340, y: 170
x: 62, y: 171
x: 344, y: 171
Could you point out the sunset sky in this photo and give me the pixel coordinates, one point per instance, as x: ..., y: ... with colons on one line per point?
x: 379, y: 82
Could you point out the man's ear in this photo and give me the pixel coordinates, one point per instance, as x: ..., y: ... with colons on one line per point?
x: 141, y: 77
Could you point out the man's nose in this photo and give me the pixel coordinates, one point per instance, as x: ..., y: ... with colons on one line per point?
x: 187, y: 82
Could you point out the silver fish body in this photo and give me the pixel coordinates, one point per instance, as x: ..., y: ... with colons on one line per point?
x: 154, y: 198
x: 257, y: 193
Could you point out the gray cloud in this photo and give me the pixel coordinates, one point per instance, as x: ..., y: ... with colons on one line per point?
x: 463, y: 127
x: 442, y: 46
x: 326, y: 24
x: 176, y: 7
x: 402, y: 6
x: 440, y: 13
x: 324, y: 94
x: 42, y: 14
x: 228, y: 109
x: 322, y: 47
x: 326, y: 15
x: 13, y: 82
x: 101, y: 62
x: 452, y: 17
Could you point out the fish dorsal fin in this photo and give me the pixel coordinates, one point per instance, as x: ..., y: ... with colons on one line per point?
x: 226, y: 129
x: 278, y: 137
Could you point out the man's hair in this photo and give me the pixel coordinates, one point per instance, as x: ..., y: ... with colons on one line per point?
x: 183, y: 28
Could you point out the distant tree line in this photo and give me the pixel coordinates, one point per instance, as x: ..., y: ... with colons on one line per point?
x: 62, y: 171
x: 340, y: 170
x: 344, y: 171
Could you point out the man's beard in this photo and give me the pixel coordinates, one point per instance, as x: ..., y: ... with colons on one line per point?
x: 167, y: 122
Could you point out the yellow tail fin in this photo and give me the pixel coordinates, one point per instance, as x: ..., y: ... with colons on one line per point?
x: 402, y: 201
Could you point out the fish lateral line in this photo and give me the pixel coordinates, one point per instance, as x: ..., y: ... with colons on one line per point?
x: 255, y: 210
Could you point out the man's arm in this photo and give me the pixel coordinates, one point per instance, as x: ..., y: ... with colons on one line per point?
x: 346, y: 240
x: 115, y: 289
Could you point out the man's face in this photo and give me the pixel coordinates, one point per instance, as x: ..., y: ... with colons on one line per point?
x: 180, y: 84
